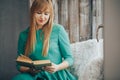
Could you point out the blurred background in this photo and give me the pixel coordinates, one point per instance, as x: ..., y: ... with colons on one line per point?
x: 81, y: 19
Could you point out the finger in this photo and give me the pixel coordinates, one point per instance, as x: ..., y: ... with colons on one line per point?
x: 51, y: 71
x: 49, y: 67
x: 53, y: 64
x: 37, y: 71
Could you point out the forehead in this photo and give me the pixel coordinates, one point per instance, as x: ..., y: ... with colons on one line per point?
x: 43, y: 9
x: 46, y: 10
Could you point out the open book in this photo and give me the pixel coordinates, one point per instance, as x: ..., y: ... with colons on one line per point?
x: 26, y: 61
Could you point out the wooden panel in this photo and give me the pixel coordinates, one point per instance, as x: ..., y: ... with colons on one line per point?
x: 73, y: 17
x: 84, y: 20
x: 99, y: 15
x: 55, y: 6
x: 30, y: 2
x: 63, y: 13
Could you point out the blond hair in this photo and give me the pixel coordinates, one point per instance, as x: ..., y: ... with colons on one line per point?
x: 39, y: 5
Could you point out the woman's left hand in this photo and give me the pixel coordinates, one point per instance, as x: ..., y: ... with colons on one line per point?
x: 52, y: 69
x: 33, y: 71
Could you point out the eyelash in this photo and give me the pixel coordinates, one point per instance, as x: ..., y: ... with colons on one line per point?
x: 41, y: 13
x: 46, y: 13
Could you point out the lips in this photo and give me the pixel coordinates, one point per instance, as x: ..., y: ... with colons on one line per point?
x: 41, y: 20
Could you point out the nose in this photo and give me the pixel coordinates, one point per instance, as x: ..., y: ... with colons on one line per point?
x: 41, y: 16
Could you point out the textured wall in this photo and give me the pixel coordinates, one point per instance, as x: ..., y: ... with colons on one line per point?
x: 14, y: 18
x: 112, y: 39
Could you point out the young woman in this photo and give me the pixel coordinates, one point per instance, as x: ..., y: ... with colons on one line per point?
x: 45, y: 40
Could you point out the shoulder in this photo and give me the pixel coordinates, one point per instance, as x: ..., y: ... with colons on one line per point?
x: 57, y: 27
x: 23, y: 34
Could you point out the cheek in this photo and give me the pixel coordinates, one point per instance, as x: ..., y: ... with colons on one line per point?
x: 47, y: 18
x: 35, y: 18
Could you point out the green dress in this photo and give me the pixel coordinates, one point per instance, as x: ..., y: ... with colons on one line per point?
x: 59, y: 49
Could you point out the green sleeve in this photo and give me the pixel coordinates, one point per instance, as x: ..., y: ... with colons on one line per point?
x: 64, y: 45
x: 21, y: 46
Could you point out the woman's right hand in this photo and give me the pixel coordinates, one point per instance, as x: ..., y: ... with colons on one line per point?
x: 24, y: 69
x: 29, y: 70
x: 33, y: 71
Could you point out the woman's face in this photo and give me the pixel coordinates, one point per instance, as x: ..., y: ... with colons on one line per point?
x: 42, y: 18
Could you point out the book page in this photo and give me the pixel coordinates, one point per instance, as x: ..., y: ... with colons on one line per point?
x: 23, y: 58
x: 41, y: 62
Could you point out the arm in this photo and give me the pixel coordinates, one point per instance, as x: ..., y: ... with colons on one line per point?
x: 21, y: 48
x: 56, y: 67
x: 24, y: 69
x: 65, y: 51
x: 29, y: 70
x: 63, y: 65
x: 64, y: 45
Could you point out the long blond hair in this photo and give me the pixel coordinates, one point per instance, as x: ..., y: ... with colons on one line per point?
x: 39, y: 5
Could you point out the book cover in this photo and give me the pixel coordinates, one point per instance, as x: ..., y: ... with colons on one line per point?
x: 37, y: 64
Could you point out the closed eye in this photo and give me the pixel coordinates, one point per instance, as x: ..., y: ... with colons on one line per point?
x: 46, y: 13
x: 39, y: 13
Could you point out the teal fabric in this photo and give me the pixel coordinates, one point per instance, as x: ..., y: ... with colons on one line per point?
x: 59, y: 49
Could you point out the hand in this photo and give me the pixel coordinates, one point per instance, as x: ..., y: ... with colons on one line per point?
x: 52, y: 69
x: 33, y: 71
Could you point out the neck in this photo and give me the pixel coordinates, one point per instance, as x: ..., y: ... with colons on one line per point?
x: 39, y: 27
